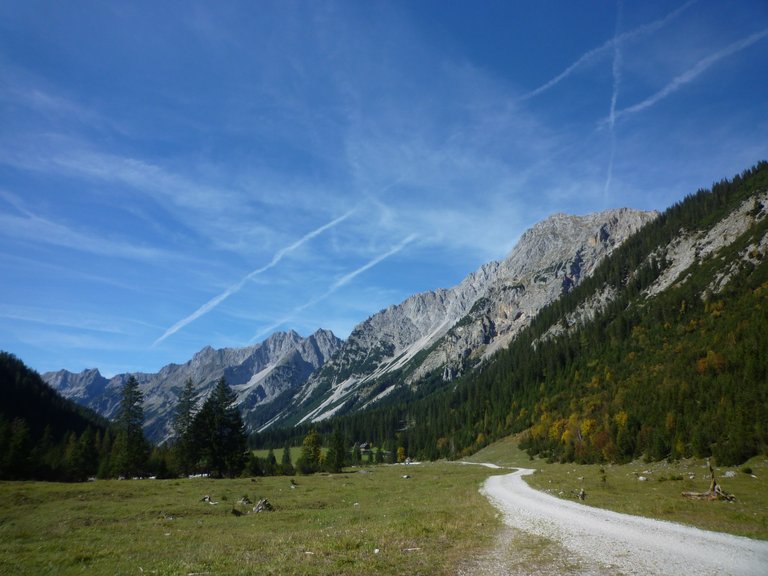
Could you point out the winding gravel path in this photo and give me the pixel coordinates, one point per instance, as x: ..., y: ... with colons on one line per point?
x: 620, y: 542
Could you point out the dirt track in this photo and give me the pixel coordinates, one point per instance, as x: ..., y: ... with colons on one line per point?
x: 614, y: 543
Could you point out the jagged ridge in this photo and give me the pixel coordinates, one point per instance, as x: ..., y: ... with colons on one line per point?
x: 256, y: 373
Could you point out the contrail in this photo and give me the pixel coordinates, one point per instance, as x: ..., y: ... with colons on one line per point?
x: 348, y: 277
x: 616, y: 69
x: 595, y: 52
x: 279, y: 255
x: 614, y: 97
x: 693, y: 73
x: 338, y: 284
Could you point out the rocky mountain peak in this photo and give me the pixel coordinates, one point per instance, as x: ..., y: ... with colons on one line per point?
x: 445, y: 330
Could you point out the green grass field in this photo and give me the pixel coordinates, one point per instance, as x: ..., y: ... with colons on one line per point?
x: 328, y: 524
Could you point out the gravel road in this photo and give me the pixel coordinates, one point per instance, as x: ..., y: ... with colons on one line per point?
x: 620, y: 543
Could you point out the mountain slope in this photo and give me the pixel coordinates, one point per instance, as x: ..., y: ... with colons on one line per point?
x: 659, y: 353
x: 256, y: 373
x: 36, y: 423
x: 439, y: 334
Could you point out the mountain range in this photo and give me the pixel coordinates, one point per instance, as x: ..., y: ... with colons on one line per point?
x: 431, y: 340
x: 427, y: 340
x: 603, y: 337
x: 256, y: 373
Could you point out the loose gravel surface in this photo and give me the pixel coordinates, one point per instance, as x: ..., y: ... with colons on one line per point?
x: 596, y: 541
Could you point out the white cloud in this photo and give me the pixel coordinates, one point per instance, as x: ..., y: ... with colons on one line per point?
x: 32, y: 228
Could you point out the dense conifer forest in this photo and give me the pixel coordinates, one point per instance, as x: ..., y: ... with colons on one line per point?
x: 43, y: 435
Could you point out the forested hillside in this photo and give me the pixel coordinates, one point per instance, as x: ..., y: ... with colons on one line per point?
x: 666, y: 373
x: 43, y: 435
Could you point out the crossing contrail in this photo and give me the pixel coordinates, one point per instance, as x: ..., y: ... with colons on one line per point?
x: 616, y: 69
x: 595, y: 52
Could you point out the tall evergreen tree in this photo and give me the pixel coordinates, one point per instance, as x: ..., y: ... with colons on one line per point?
x: 285, y: 461
x: 131, y: 450
x: 219, y: 432
x: 335, y: 460
x: 182, y: 425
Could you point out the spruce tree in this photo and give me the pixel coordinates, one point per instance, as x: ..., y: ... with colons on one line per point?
x: 285, y: 461
x: 219, y: 432
x: 182, y: 425
x: 130, y: 450
x: 335, y: 460
x: 270, y: 463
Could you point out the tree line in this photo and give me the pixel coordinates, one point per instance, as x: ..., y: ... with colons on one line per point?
x: 46, y: 437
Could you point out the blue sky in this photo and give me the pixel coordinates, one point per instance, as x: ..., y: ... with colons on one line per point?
x: 182, y: 174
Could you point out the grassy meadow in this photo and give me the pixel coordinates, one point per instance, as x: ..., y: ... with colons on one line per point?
x: 364, y: 521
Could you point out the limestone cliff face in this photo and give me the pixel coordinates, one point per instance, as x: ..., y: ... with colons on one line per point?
x: 445, y: 331
x: 551, y: 259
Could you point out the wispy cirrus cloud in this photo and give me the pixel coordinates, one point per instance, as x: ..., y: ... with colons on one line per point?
x: 214, y: 211
x: 33, y: 228
x: 691, y: 74
x: 234, y: 288
x: 79, y: 320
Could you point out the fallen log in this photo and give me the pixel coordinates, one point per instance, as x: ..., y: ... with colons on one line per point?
x: 715, y: 492
x: 263, y: 506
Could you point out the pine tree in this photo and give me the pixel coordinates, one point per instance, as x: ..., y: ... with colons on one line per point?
x: 182, y: 425
x: 130, y: 449
x: 285, y: 461
x: 219, y: 432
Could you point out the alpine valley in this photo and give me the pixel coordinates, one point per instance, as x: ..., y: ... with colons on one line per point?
x: 605, y: 336
x: 430, y: 337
